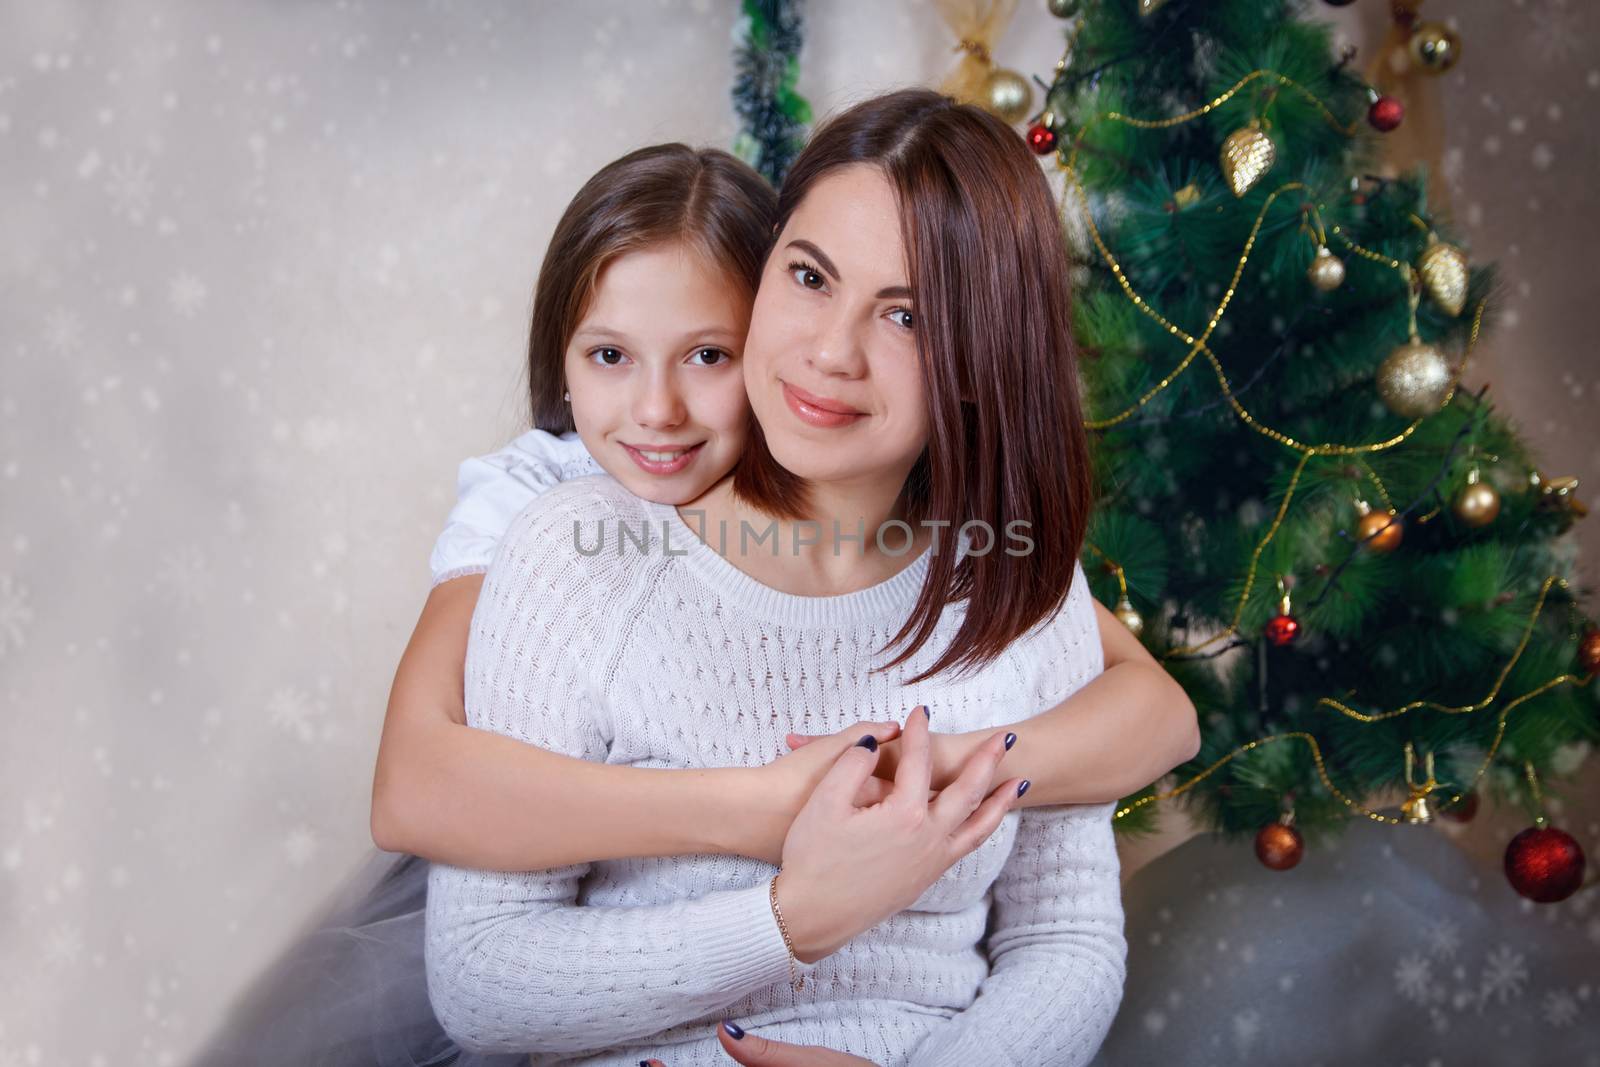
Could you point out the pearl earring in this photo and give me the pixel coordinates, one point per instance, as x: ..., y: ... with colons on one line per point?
x: 567, y: 397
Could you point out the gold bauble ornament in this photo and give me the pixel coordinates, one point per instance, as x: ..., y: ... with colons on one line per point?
x: 1007, y: 94
x: 1326, y: 271
x: 1125, y: 613
x: 1434, y: 47
x: 1378, y: 531
x: 1150, y: 7
x: 1247, y: 154
x: 1444, y: 274
x: 1478, y: 503
x: 1414, y: 379
x: 1063, y: 9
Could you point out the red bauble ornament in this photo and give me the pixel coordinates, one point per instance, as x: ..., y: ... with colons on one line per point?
x: 1589, y: 651
x: 1279, y: 846
x: 1463, y: 811
x: 1042, y: 139
x: 1282, y: 629
x: 1386, y: 113
x: 1544, y: 864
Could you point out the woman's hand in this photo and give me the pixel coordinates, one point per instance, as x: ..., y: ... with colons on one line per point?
x: 756, y: 1051
x: 845, y: 869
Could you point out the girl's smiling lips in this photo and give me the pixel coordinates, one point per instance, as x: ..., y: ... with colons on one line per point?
x: 663, y: 459
x: 816, y: 410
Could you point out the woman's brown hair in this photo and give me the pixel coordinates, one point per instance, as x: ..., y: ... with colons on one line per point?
x: 990, y: 283
x: 665, y: 192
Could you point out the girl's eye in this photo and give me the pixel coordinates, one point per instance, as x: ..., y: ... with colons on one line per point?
x: 806, y: 275
x: 905, y: 320
x: 609, y: 357
x: 712, y: 354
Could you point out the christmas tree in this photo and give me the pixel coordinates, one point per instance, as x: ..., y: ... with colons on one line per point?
x: 1307, y: 511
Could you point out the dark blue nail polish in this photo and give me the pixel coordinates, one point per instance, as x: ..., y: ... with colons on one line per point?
x: 926, y: 714
x: 1011, y: 739
x: 1023, y: 788
x: 644, y: 1063
x: 735, y: 1031
x: 869, y: 743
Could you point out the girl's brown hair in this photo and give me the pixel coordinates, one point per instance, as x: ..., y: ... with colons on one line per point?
x: 990, y: 283
x: 664, y: 192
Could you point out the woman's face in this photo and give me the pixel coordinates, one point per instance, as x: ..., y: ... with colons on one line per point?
x: 653, y: 370
x: 830, y: 362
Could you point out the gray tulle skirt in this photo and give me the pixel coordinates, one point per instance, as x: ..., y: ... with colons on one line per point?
x: 351, y: 991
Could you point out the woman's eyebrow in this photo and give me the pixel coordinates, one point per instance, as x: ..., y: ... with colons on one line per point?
x: 892, y: 292
x: 819, y: 255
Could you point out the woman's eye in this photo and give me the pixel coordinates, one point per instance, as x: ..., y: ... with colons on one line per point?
x: 905, y: 320
x: 712, y: 355
x: 806, y: 276
x: 609, y: 357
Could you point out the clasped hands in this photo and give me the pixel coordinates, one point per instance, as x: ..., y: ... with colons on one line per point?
x: 868, y: 816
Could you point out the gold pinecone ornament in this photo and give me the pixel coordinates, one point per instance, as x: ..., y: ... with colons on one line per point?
x: 1444, y: 274
x: 1247, y: 154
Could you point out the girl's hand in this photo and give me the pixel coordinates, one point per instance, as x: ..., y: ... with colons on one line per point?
x: 947, y: 753
x: 845, y: 869
x: 782, y: 787
x: 756, y: 1051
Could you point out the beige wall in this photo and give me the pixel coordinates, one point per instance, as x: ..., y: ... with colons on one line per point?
x: 266, y: 268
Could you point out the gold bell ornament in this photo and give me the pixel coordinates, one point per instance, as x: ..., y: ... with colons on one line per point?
x: 1415, y: 806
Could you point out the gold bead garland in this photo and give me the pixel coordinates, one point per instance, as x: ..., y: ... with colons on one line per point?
x: 1444, y: 276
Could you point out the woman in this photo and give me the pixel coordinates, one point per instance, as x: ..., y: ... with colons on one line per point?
x: 909, y: 365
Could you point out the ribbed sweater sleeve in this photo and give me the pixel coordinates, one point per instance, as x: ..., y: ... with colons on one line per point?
x: 514, y: 964
x: 1058, y: 957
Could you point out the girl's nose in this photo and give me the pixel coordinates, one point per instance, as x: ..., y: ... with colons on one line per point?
x: 659, y: 404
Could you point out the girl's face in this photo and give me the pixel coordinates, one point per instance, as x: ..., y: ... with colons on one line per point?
x: 831, y: 362
x: 654, y: 372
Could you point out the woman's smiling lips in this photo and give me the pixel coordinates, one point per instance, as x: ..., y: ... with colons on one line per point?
x: 816, y: 410
x: 663, y: 459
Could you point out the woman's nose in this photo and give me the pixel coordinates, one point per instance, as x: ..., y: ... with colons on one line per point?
x: 838, y: 349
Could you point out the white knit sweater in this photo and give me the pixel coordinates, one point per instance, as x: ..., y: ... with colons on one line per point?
x: 670, y: 656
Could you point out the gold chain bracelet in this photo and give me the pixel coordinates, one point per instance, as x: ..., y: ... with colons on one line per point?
x: 783, y: 928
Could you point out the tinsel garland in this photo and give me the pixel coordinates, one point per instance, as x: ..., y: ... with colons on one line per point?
x: 766, y: 68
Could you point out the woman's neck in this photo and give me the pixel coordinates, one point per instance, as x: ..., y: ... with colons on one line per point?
x: 853, y: 537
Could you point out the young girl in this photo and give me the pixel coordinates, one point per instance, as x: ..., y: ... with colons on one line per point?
x: 638, y: 326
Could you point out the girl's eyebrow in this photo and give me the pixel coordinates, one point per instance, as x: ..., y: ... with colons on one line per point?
x: 601, y: 333
x: 606, y: 333
x: 892, y: 292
